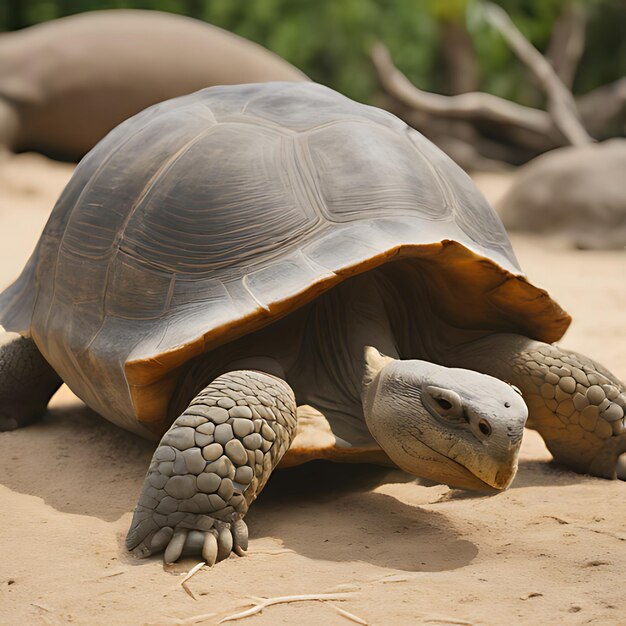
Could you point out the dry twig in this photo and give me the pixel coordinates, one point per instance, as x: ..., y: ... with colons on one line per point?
x: 192, y: 572
x: 351, y: 616
x: 262, y: 603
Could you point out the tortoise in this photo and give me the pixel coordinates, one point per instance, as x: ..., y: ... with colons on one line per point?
x: 221, y: 258
x: 576, y: 193
x: 66, y: 83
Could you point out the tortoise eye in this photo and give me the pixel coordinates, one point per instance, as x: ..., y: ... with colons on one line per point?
x: 516, y: 389
x: 444, y: 404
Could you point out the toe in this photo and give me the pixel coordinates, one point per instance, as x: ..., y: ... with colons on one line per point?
x: 161, y: 539
x: 240, y: 537
x: 175, y: 546
x: 194, y: 543
x: 224, y: 543
x: 209, y: 549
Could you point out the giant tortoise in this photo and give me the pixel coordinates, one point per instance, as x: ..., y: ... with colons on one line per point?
x: 223, y: 257
x: 66, y: 83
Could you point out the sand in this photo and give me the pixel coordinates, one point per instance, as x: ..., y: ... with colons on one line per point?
x: 552, y: 549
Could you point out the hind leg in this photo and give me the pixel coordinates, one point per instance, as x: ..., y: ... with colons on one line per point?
x: 27, y: 382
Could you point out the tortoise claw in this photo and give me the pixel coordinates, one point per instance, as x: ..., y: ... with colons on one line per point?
x: 240, y: 537
x: 175, y: 546
x: 209, y: 549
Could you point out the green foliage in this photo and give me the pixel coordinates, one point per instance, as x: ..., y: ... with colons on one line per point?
x: 330, y: 40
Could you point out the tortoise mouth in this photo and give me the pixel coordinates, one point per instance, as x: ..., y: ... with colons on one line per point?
x: 436, y: 466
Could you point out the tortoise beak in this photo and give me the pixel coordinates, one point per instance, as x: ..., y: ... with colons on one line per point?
x: 443, y: 469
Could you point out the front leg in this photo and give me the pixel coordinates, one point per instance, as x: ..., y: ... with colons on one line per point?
x: 211, y: 465
x: 576, y: 405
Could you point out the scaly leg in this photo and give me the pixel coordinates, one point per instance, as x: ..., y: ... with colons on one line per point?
x: 211, y: 465
x: 576, y: 405
x: 27, y: 382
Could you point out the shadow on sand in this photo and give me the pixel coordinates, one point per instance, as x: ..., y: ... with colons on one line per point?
x: 307, y: 508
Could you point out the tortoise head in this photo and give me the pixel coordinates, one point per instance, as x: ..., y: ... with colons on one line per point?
x: 454, y: 426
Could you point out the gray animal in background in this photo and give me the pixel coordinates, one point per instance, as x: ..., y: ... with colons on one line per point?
x: 575, y: 193
x: 221, y: 258
x: 65, y: 84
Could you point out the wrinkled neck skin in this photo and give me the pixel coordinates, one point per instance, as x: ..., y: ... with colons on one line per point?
x: 497, y: 355
x: 317, y: 349
x: 330, y: 366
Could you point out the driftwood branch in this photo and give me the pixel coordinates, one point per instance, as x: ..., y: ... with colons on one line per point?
x: 474, y: 105
x: 561, y: 105
x: 603, y: 110
x: 567, y: 42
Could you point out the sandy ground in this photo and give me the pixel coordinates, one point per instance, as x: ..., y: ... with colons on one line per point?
x: 552, y: 549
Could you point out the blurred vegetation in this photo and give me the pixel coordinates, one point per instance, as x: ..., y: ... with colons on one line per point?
x: 330, y: 39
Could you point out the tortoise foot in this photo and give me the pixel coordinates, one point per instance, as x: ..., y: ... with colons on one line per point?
x: 210, y: 465
x: 213, y: 545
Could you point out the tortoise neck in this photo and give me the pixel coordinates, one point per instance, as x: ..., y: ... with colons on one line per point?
x: 496, y: 354
x: 330, y: 368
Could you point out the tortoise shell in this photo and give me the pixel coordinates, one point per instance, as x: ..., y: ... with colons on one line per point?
x: 209, y: 216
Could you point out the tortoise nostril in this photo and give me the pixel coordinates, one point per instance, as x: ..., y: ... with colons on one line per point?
x: 485, y: 427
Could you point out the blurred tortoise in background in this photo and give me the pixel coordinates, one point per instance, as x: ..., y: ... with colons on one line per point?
x: 221, y: 258
x: 66, y: 83
x: 576, y: 193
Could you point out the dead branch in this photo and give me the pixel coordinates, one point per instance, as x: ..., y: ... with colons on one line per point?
x: 603, y: 110
x: 561, y: 105
x: 567, y: 42
x: 474, y: 105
